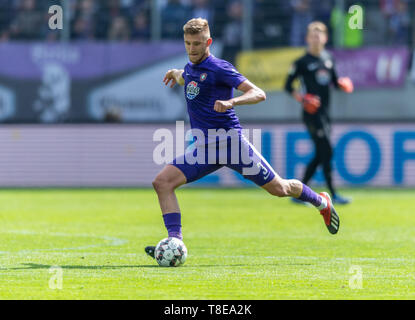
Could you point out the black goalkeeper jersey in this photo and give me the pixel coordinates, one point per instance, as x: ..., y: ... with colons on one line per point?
x: 316, y: 74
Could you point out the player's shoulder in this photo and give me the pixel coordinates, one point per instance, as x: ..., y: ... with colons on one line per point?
x: 220, y: 64
x: 304, y: 57
x: 187, y: 65
x: 298, y: 64
x: 301, y: 61
x: 327, y: 55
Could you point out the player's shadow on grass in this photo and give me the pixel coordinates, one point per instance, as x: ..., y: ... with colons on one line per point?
x: 248, y: 265
x: 29, y: 266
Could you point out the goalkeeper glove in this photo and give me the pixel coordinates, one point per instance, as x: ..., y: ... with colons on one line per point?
x: 346, y: 84
x: 310, y: 102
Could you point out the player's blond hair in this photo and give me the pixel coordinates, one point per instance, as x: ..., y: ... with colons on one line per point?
x: 317, y: 25
x: 196, y: 26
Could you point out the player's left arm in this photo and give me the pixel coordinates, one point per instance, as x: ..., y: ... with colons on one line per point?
x: 343, y: 83
x: 251, y: 95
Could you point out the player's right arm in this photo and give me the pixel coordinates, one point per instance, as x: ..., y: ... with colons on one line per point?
x: 292, y: 75
x: 174, y: 76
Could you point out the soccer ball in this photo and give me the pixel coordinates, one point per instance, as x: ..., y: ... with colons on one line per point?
x: 170, y: 252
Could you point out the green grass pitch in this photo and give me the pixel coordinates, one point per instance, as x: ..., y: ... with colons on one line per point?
x: 242, y: 243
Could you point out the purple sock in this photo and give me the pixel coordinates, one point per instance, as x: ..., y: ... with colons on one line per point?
x: 309, y: 195
x: 173, y: 224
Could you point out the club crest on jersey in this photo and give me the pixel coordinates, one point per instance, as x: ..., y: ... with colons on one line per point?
x: 192, y: 90
x: 203, y: 76
x: 328, y: 64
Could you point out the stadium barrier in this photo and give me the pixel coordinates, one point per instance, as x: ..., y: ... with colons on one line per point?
x: 122, y: 155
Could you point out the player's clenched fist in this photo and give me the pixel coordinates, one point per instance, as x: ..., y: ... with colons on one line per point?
x: 170, y: 76
x: 222, y: 106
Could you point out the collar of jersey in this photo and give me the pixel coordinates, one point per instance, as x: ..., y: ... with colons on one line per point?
x: 204, y: 61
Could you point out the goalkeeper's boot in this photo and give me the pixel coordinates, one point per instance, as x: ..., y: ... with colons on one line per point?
x: 150, y: 251
x: 331, y: 219
x: 341, y: 200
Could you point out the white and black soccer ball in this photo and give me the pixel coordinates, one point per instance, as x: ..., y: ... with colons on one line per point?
x: 170, y: 252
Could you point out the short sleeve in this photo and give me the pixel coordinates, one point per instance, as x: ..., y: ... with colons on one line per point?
x: 184, y: 72
x: 228, y: 75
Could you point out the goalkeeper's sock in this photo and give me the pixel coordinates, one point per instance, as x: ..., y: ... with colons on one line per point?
x: 173, y: 224
x: 308, y: 195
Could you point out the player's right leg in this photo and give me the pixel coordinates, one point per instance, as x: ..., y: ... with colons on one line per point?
x: 169, y: 179
x: 175, y: 174
x: 311, y: 169
x: 316, y: 161
x: 312, y: 166
x: 324, y: 151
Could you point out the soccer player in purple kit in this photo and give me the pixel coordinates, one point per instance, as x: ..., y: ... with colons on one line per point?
x: 209, y: 84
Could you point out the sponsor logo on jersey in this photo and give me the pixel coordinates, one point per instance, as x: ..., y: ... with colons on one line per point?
x: 323, y: 77
x: 192, y: 90
x: 203, y: 76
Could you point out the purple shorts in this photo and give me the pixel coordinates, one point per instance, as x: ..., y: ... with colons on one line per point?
x: 237, y: 154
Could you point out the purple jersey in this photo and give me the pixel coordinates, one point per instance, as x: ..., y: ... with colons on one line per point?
x: 212, y: 79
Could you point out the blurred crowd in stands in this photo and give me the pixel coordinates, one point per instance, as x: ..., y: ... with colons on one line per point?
x: 275, y: 22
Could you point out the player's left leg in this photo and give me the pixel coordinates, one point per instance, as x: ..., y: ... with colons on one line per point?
x: 270, y: 181
x: 294, y: 188
x: 309, y: 173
